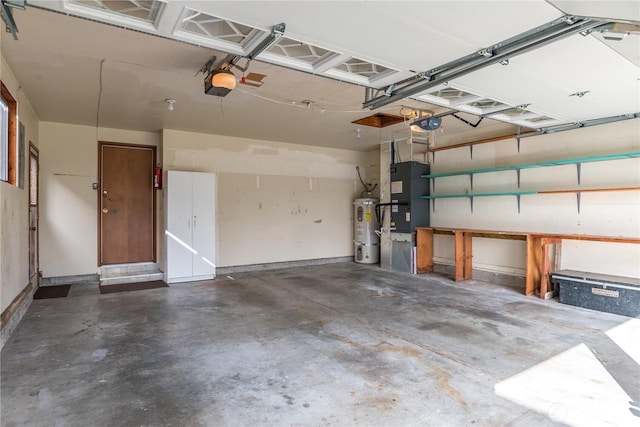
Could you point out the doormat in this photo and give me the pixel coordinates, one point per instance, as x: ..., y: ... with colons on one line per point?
x: 137, y: 286
x: 46, y: 292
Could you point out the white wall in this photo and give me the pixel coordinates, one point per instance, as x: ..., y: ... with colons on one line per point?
x: 68, y: 203
x: 14, y: 211
x: 602, y: 213
x: 276, y: 201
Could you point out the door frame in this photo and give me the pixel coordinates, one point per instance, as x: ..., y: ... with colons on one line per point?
x: 154, y: 227
x: 34, y: 153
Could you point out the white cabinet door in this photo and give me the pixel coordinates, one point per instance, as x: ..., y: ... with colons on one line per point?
x: 190, y: 226
x: 179, y: 234
x: 204, y: 237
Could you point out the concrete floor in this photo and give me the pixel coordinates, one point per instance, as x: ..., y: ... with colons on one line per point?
x: 332, y: 345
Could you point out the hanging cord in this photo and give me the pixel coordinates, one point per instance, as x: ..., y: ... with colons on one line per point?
x: 366, y: 187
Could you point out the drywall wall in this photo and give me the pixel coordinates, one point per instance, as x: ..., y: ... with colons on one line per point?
x: 275, y: 201
x: 319, y: 180
x: 14, y: 213
x: 68, y: 203
x: 607, y: 213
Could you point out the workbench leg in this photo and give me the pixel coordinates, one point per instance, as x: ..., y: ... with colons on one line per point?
x: 424, y: 250
x: 534, y: 264
x: 459, y: 256
x: 468, y: 256
x: 544, y: 274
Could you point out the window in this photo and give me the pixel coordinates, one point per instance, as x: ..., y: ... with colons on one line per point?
x: 4, y: 148
x: 8, y: 124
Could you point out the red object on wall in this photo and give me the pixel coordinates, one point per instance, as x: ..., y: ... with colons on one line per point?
x: 157, y: 178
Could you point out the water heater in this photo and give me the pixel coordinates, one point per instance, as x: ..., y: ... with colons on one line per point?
x: 365, y: 239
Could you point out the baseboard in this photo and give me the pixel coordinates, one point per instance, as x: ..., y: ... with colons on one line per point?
x: 69, y: 280
x: 275, y: 265
x: 484, y: 276
x: 13, y: 314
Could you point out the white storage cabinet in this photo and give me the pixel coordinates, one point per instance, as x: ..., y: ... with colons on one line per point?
x: 190, y: 226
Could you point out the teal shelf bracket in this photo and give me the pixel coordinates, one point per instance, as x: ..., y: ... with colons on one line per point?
x: 579, y: 167
x: 518, y: 175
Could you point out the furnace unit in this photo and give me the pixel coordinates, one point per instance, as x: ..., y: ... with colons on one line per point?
x: 408, y: 211
x: 407, y: 189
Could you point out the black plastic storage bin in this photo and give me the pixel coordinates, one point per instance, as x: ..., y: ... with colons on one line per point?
x: 602, y: 292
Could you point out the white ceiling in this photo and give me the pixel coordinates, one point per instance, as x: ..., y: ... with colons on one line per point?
x: 84, y: 72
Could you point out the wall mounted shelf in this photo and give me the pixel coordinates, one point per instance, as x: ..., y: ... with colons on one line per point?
x: 518, y: 194
x: 517, y: 168
x: 576, y: 161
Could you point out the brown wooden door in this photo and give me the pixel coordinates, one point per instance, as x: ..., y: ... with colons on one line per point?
x: 126, y: 204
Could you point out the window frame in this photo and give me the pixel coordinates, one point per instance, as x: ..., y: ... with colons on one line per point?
x: 9, y: 162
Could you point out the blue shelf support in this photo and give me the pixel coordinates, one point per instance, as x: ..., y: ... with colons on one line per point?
x: 518, y: 175
x: 518, y: 201
x: 471, y: 180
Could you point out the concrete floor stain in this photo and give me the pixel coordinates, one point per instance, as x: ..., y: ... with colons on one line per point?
x: 442, y: 382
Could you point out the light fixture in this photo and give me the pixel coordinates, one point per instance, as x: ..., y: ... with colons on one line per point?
x: 219, y: 82
x: 170, y: 102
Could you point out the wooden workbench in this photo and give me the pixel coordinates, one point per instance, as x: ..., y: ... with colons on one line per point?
x: 538, y: 265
